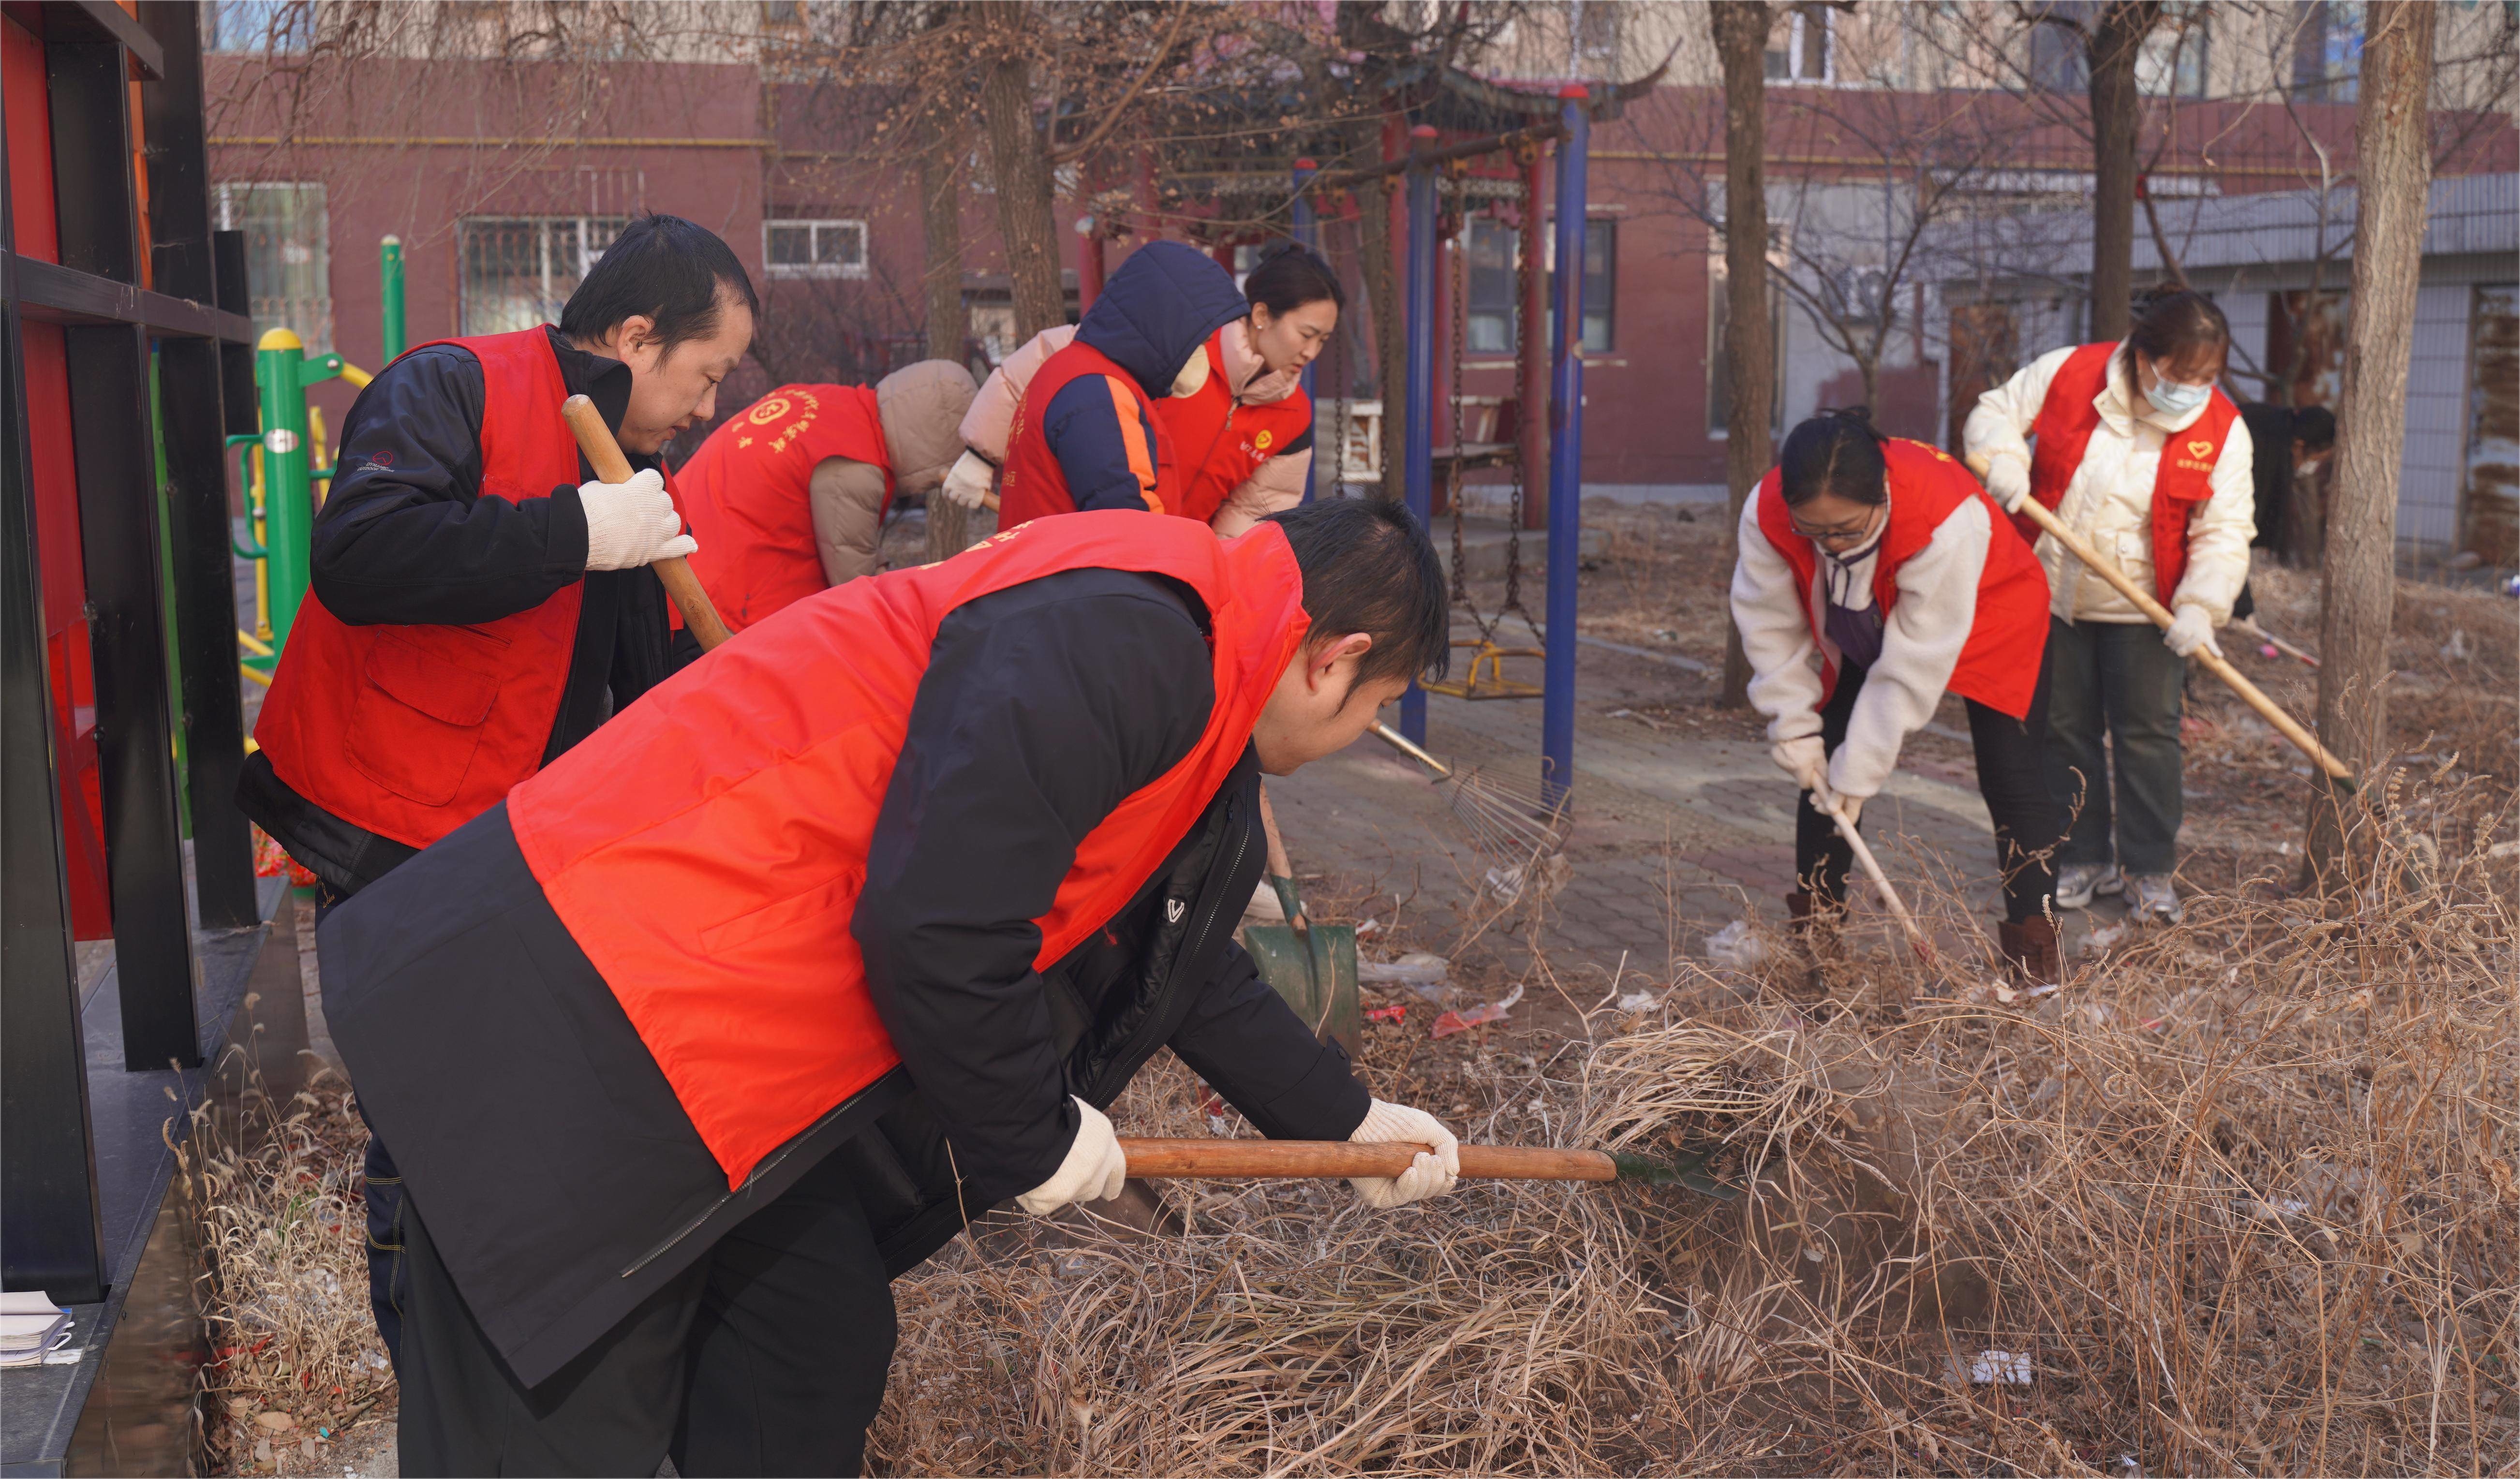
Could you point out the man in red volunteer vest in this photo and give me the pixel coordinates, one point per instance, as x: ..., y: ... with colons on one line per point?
x: 1086, y: 435
x: 789, y: 496
x: 479, y: 602
x: 845, y: 934
x: 1875, y: 577
x: 2139, y: 454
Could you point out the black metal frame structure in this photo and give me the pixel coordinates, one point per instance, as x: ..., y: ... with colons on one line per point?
x: 191, y: 318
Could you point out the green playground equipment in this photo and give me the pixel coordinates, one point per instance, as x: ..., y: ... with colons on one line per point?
x: 288, y: 468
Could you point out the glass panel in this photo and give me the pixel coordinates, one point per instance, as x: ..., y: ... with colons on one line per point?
x: 502, y: 275
x: 839, y: 244
x: 1492, y: 305
x: 257, y: 25
x: 1601, y: 275
x: 789, y: 244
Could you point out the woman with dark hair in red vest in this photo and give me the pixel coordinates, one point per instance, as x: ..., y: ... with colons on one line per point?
x: 1875, y: 577
x: 1245, y: 436
x: 787, y: 497
x: 479, y: 601
x: 2139, y: 454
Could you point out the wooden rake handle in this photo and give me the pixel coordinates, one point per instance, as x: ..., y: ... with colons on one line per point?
x: 2215, y: 663
x: 1872, y: 869
x: 603, y: 455
x: 1325, y: 1160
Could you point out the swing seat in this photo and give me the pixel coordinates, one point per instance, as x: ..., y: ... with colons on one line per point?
x: 1486, y: 677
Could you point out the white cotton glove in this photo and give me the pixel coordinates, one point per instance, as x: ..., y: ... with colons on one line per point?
x: 1094, y: 1170
x: 1805, y: 759
x: 1427, y: 1176
x: 967, y: 482
x: 2190, y: 628
x: 629, y: 525
x: 2007, y: 482
x: 1824, y: 801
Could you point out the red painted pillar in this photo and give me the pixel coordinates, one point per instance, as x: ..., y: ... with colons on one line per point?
x: 1088, y: 263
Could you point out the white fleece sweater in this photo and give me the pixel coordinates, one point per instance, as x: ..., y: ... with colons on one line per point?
x: 2109, y: 502
x: 1921, y: 638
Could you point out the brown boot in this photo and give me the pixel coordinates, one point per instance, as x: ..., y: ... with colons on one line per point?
x: 2031, y: 953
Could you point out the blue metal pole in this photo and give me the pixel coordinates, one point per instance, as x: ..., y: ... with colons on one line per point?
x: 1418, y: 449
x: 1308, y: 234
x: 1566, y: 453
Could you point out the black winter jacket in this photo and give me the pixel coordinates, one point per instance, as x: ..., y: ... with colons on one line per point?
x: 558, y: 1173
x: 406, y: 538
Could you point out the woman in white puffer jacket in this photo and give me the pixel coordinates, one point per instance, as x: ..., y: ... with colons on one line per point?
x: 2141, y: 455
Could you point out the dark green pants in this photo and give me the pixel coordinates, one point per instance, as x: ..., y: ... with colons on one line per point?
x: 2118, y: 678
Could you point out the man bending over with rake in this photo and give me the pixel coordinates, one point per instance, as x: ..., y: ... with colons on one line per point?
x: 844, y: 935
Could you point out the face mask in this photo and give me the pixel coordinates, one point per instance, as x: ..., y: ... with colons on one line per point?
x: 2174, y: 400
x: 1193, y: 374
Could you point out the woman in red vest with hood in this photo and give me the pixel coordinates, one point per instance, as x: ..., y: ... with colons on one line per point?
x: 1245, y: 436
x: 2139, y: 454
x: 1087, y: 432
x: 479, y: 601
x: 845, y: 934
x: 1875, y: 577
x: 789, y: 496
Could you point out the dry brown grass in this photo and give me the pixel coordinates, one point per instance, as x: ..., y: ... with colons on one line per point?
x: 294, y: 1359
x: 2243, y: 1193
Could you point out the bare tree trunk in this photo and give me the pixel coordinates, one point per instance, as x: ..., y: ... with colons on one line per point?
x: 2116, y: 41
x: 2391, y: 139
x: 1740, y: 28
x: 1019, y: 159
x: 949, y: 323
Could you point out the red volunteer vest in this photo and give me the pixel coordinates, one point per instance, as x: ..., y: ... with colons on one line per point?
x: 2063, y: 428
x: 747, y: 492
x: 1998, y: 665
x: 706, y: 848
x: 410, y: 732
x: 1033, y: 484
x: 1222, y: 444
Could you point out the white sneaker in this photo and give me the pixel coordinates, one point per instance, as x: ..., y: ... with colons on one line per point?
x: 2077, y: 882
x: 2155, y: 899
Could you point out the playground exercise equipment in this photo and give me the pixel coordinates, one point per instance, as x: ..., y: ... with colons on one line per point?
x: 287, y: 469
x: 1571, y: 132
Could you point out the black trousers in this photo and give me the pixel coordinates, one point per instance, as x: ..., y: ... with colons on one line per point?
x: 2009, y: 776
x: 380, y: 1189
x: 768, y: 1355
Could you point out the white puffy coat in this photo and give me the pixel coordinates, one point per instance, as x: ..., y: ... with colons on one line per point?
x: 2109, y: 502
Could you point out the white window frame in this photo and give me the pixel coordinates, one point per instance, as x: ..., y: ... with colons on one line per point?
x: 548, y: 302
x: 815, y: 268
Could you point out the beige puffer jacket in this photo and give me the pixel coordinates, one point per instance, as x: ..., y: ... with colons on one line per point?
x: 1278, y: 484
x: 2109, y: 502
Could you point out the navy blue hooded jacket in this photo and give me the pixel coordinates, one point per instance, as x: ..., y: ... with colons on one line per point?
x: 1160, y: 305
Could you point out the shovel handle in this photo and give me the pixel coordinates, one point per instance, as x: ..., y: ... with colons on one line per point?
x: 2215, y: 663
x: 1863, y: 851
x: 1325, y: 1160
x: 1281, y: 873
x: 603, y: 455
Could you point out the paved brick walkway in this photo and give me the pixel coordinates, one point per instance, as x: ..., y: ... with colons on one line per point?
x: 1674, y: 837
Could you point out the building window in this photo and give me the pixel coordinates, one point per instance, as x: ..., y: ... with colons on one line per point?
x: 2060, y: 63
x: 259, y: 25
x: 517, y: 272
x: 1495, y: 284
x: 1596, y: 29
x: 288, y: 257
x: 2327, y: 52
x: 2173, y: 61
x: 814, y: 248
x: 1801, y: 45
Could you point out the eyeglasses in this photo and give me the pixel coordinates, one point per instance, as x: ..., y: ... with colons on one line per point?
x: 1846, y: 534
